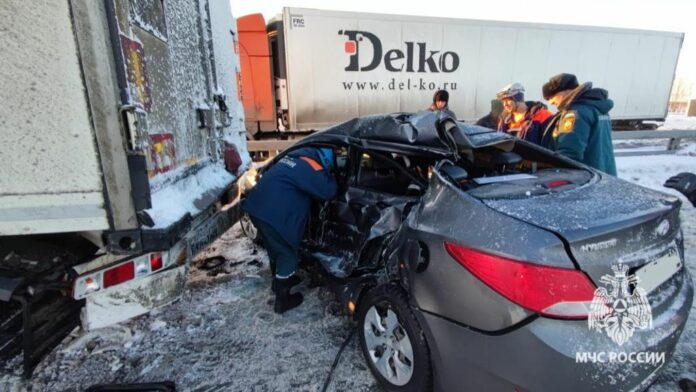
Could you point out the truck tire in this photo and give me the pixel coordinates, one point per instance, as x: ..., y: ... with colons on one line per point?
x: 393, y: 342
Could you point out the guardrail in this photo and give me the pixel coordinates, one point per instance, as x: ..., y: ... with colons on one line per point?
x: 273, y: 147
x: 269, y: 145
x: 673, y: 139
x: 268, y: 148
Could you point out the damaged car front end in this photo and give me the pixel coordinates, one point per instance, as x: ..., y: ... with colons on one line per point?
x: 472, y: 260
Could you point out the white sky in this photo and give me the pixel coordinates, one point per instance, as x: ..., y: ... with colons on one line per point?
x: 668, y: 15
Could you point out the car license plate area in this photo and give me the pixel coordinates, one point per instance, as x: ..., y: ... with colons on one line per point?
x: 658, y: 271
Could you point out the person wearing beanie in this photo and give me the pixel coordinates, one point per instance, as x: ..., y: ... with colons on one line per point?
x: 491, y: 119
x: 526, y: 120
x: 441, y: 103
x: 581, y: 130
x: 279, y: 205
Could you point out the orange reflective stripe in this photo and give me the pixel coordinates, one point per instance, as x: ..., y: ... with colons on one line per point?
x: 542, y: 115
x: 316, y: 166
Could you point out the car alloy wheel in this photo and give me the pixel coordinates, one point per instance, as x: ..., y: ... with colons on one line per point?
x: 389, y: 347
x: 392, y: 340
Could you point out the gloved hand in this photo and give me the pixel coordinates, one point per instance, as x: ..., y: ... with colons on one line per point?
x: 684, y: 183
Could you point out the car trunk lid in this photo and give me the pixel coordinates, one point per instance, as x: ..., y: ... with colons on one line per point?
x: 603, y: 223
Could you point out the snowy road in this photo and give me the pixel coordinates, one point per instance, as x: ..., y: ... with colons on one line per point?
x: 223, y: 335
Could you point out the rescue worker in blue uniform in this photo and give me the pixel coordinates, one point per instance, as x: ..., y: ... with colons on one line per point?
x: 581, y: 130
x: 279, y: 205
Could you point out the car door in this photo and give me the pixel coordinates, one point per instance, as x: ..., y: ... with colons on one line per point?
x: 374, y: 192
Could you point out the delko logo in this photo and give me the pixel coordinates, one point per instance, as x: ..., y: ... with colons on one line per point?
x: 415, y: 58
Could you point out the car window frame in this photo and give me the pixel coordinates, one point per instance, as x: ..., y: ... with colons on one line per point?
x: 357, y: 156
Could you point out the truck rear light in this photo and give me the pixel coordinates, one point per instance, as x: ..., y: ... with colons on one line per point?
x: 119, y: 274
x: 86, y: 285
x: 136, y: 268
x: 549, y: 291
x: 91, y: 283
x: 142, y: 267
x: 156, y: 261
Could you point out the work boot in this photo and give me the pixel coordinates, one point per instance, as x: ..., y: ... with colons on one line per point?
x: 285, y: 301
x: 293, y: 281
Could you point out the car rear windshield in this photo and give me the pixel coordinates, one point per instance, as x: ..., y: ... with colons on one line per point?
x: 519, y: 185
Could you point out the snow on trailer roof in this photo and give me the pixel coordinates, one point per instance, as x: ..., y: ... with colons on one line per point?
x: 425, y: 131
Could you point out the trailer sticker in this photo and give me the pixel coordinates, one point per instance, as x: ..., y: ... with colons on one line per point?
x: 162, y: 157
x: 415, y: 57
x: 136, y: 68
x: 297, y: 21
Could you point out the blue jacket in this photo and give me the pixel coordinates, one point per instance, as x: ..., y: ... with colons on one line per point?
x: 581, y: 130
x: 283, y: 195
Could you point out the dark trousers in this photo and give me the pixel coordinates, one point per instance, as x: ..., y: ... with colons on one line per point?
x: 280, y: 253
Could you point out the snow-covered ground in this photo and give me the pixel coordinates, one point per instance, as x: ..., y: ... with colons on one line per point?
x: 679, y: 122
x: 651, y: 172
x: 223, y: 335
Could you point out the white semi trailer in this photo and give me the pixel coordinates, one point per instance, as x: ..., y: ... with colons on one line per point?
x: 122, y: 141
x: 330, y: 66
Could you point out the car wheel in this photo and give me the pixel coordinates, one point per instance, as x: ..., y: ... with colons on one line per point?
x: 249, y: 230
x: 393, y: 342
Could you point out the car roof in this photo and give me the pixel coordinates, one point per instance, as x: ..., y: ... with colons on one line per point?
x: 421, y: 132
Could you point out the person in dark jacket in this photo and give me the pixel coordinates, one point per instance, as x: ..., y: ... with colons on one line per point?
x: 526, y: 120
x: 279, y: 205
x: 684, y: 183
x: 491, y: 119
x: 441, y: 103
x: 581, y: 130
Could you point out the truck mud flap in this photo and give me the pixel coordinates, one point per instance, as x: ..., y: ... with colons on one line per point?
x: 34, y: 325
x: 133, y: 298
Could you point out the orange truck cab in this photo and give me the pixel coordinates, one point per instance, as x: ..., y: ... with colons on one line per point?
x: 257, y: 90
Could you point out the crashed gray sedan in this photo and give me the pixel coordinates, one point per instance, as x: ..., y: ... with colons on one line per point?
x: 475, y: 261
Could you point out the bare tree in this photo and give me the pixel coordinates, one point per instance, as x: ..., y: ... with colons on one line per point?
x: 682, y: 90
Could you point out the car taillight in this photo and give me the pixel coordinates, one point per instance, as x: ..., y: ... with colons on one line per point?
x: 119, y: 274
x: 557, y: 183
x: 155, y: 261
x: 549, y: 291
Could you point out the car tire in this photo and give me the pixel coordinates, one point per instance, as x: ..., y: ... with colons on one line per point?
x: 249, y: 230
x: 387, y: 329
